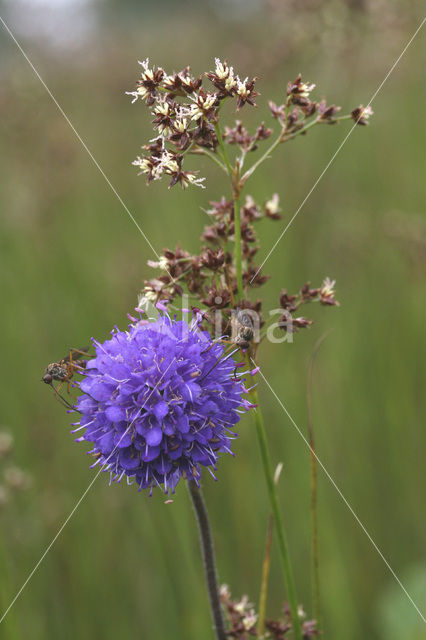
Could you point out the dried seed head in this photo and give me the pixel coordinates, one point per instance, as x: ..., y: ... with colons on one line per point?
x: 326, y: 114
x: 238, y: 135
x: 361, y: 114
x: 277, y: 111
x: 263, y: 132
x: 287, y: 301
x: 213, y: 260
x: 221, y: 208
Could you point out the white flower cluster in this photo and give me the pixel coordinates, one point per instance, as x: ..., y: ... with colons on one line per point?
x: 366, y: 112
x: 246, y: 611
x: 242, y: 88
x: 155, y: 166
x: 203, y: 104
x: 327, y: 287
x: 305, y: 89
x: 226, y: 73
x: 184, y: 115
x: 273, y: 205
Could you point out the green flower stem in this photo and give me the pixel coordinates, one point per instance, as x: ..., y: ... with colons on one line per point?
x: 276, y: 512
x: 316, y: 601
x: 264, y: 157
x: 237, y: 248
x: 265, y: 575
x: 236, y: 192
x: 280, y: 139
x: 223, y: 149
x: 207, y: 549
x: 302, y: 130
x: 205, y: 152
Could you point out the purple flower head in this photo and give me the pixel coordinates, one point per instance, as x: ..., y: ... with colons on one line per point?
x: 159, y: 401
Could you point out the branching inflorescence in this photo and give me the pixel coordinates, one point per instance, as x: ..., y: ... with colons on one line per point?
x: 187, y: 119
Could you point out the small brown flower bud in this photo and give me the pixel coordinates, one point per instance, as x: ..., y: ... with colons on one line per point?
x: 326, y: 114
x: 287, y: 301
x: 278, y: 112
x: 213, y: 260
x: 361, y: 114
x: 217, y: 299
x: 262, y: 132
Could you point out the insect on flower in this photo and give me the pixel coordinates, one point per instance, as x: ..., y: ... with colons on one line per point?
x: 244, y: 330
x: 64, y: 370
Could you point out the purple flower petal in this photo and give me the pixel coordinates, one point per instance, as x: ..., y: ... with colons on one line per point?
x: 160, y: 410
x: 150, y: 453
x: 115, y: 413
x: 129, y: 459
x: 106, y: 442
x: 154, y: 436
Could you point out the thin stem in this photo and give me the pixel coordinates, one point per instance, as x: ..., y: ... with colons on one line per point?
x: 264, y: 157
x: 236, y: 191
x: 314, y: 525
x: 280, y: 139
x: 223, y: 148
x: 237, y: 248
x: 316, y: 603
x: 265, y: 575
x: 301, y: 130
x: 276, y: 512
x: 207, y: 551
x: 209, y: 154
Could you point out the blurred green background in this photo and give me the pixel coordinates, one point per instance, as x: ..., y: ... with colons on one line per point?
x: 72, y: 263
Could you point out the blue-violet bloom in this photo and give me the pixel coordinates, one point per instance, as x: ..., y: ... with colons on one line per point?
x: 159, y: 402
